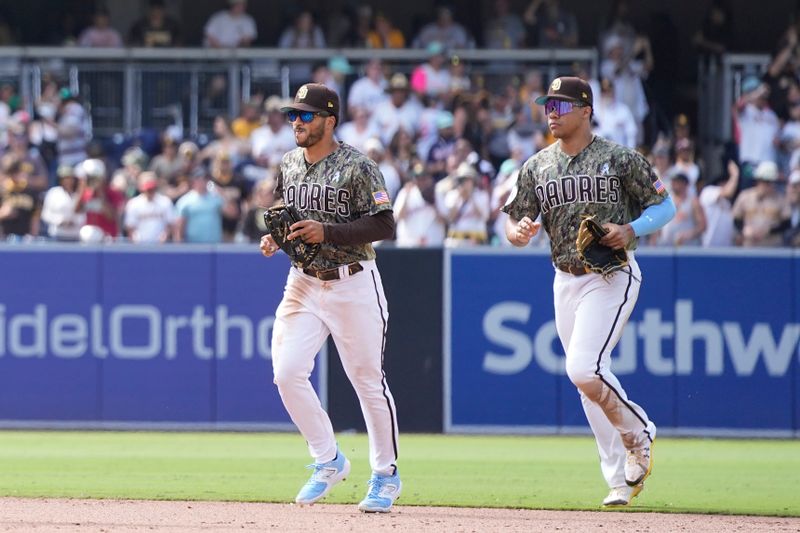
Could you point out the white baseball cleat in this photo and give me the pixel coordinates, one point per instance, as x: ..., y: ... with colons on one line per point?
x: 638, y: 465
x: 620, y: 496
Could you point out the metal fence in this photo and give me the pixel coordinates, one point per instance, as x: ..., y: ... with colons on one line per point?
x: 129, y: 89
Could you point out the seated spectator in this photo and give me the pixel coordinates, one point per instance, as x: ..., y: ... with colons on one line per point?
x: 789, y: 139
x: 432, y: 78
x: 418, y: 222
x: 58, y: 210
x: 126, y: 179
x: 716, y: 199
x: 613, y: 119
x: 403, y: 153
x: 685, y: 164
x: 33, y: 164
x: 368, y: 91
x: 19, y: 203
x: 100, y: 34
x: 375, y: 150
x: 504, y: 29
x: 761, y: 213
x: 156, y: 28
x: 167, y: 164
x: 358, y: 131
x: 249, y: 119
x: 150, y: 215
x: 231, y: 28
x: 97, y: 201
x: 332, y: 74
x: 549, y: 25
x: 199, y: 213
x: 792, y: 235
x: 661, y: 159
x: 188, y: 156
x: 689, y: 222
x: 274, y: 138
x: 443, y: 30
x: 384, y: 34
x: 304, y: 33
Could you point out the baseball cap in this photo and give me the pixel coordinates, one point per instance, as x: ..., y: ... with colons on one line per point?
x: 64, y: 170
x: 569, y: 89
x: 766, y: 171
x: 315, y: 97
x: 444, y: 120
x: 398, y: 82
x: 148, y: 181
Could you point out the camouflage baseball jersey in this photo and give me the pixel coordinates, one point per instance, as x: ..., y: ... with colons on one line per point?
x: 605, y: 179
x: 342, y: 187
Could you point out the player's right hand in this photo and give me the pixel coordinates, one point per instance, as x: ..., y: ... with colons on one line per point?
x: 268, y: 246
x: 526, y: 230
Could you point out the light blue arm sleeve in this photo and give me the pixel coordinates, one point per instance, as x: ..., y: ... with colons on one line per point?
x: 654, y: 217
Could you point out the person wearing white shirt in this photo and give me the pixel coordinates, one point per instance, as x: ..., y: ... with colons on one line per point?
x: 716, y: 201
x: 401, y: 110
x: 758, y: 123
x: 58, y: 208
x: 614, y: 119
x: 374, y: 149
x: 467, y: 209
x: 149, y: 216
x: 369, y: 91
x: 231, y: 28
x: 418, y: 222
x: 269, y: 142
x: 359, y: 130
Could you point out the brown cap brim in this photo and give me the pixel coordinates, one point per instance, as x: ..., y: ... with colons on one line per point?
x: 302, y: 107
x: 543, y: 99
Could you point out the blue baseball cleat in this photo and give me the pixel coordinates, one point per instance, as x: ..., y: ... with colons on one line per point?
x: 322, y: 480
x: 382, y: 493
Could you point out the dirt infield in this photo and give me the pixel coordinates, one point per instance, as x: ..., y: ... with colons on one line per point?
x: 134, y: 515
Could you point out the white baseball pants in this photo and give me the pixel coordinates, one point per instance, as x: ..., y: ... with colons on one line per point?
x: 353, y: 310
x: 591, y: 313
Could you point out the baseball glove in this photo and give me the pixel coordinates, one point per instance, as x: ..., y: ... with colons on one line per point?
x: 278, y: 220
x: 598, y: 258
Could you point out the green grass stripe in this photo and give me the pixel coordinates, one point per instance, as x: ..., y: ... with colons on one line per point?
x: 759, y: 477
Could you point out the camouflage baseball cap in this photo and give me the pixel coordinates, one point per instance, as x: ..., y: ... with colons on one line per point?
x: 568, y: 88
x: 315, y: 97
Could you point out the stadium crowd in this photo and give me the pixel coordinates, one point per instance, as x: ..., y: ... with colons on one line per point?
x: 449, y: 147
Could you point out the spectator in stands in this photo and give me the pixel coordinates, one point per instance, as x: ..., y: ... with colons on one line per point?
x: 61, y: 221
x: 444, y: 30
x: 252, y: 227
x: 761, y: 213
x: 149, y: 217
x: 29, y: 157
x: 333, y: 74
x: 432, y: 78
x: 758, y: 126
x: 689, y: 222
x: 166, y: 164
x: 231, y: 28
x: 401, y: 110
x: 156, y: 28
x: 357, y: 131
x: 681, y: 128
x: 375, y: 150
x: 5, y: 114
x: 125, y: 180
x: 504, y: 29
x: 716, y: 200
x: 304, y: 33
x: 661, y: 159
x: 100, y: 34
x: 619, y: 25
x: 274, y: 138
x: 234, y: 190
x: 418, y: 222
x: 100, y: 204
x: 403, y: 153
x: 715, y: 35
x: 19, y: 203
x: 685, y: 164
x: 199, y: 213
x: 467, y: 209
x: 188, y: 155
x: 502, y: 187
x: 248, y: 120
x: 73, y: 129
x: 792, y: 235
x: 226, y: 142
x: 384, y: 34
x: 368, y: 91
x: 613, y: 118
x: 550, y: 25
x: 436, y: 163
x: 627, y: 70
x: 782, y: 74
x: 789, y: 140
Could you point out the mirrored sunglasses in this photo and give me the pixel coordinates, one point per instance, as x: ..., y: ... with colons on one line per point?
x: 305, y: 116
x: 561, y: 107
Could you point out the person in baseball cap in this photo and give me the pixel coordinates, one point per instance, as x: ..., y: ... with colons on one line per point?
x: 315, y: 98
x: 568, y: 89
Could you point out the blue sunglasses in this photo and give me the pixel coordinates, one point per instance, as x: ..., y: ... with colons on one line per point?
x: 305, y: 116
x: 561, y: 107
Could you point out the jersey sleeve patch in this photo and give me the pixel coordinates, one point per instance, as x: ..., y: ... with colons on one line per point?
x: 380, y: 197
x: 659, y: 185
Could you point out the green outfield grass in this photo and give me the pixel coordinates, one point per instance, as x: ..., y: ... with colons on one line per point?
x: 759, y: 477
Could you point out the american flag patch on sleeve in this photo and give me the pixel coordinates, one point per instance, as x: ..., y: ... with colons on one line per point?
x: 659, y: 185
x: 380, y: 197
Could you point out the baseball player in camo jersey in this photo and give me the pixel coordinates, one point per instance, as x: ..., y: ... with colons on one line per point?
x: 342, y: 195
x: 583, y: 174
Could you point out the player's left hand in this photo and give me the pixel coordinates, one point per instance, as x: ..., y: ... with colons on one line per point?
x: 617, y: 236
x: 311, y: 231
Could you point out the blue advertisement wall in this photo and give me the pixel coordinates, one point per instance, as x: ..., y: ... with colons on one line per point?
x: 711, y: 348
x: 124, y: 336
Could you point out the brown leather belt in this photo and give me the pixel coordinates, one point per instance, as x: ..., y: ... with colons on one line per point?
x: 575, y: 270
x: 333, y: 273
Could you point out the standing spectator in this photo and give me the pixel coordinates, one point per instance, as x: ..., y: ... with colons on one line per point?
x: 444, y: 30
x: 150, y: 215
x: 758, y: 125
x: 375, y: 150
x: 467, y: 209
x: 715, y: 35
x: 58, y: 210
x: 789, y: 140
x: 199, y: 213
x: 358, y: 131
x: 250, y: 119
x: 504, y: 29
x: 781, y: 75
x: 233, y: 188
x: 156, y: 28
x: 401, y: 110
x: 792, y: 235
x: 418, y: 222
x: 761, y: 213
x: 689, y: 223
x: 33, y: 164
x: 19, y: 204
x: 627, y: 72
x: 432, y: 78
x: 101, y: 204
x: 716, y: 200
x: 252, y: 226
x: 549, y: 25
x: 614, y: 119
x: 685, y: 164
x: 274, y: 138
x: 661, y: 159
x: 368, y: 91
x: 231, y: 28
x: 189, y: 163
x: 73, y: 129
x: 384, y: 34
x: 100, y: 34
x: 443, y: 147
x: 167, y: 164
x: 304, y: 33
